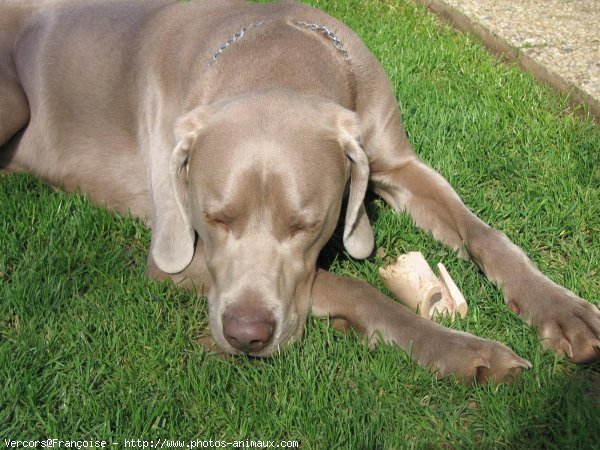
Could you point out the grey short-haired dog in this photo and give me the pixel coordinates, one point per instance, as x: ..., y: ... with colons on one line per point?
x: 235, y: 130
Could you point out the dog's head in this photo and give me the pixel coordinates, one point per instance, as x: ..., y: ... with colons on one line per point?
x: 261, y: 179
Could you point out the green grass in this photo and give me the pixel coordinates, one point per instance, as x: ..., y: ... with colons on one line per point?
x: 89, y: 348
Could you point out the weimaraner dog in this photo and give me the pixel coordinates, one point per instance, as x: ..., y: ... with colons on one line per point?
x: 235, y: 131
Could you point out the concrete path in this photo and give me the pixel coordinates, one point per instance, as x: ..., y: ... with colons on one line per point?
x: 556, y: 40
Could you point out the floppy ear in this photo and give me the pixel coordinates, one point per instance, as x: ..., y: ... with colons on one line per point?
x: 173, y: 234
x: 358, y: 234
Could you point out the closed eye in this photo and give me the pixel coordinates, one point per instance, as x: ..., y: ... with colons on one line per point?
x: 219, y: 220
x: 303, y: 226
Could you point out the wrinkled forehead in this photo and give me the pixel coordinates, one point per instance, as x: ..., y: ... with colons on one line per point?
x: 258, y: 174
x: 268, y: 156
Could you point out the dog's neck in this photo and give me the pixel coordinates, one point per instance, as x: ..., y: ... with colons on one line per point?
x: 326, y: 32
x: 337, y: 43
x: 233, y: 39
x: 261, y: 55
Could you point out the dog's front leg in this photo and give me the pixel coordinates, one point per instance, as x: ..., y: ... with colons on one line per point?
x: 354, y: 303
x: 565, y: 323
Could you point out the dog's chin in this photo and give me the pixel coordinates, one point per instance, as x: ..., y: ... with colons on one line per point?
x: 271, y: 350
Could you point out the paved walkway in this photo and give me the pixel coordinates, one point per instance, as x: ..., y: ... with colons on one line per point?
x: 557, y: 40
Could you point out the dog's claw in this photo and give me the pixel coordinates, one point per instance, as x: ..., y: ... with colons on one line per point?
x: 477, y: 360
x: 566, y: 324
x: 482, y: 362
x: 522, y: 363
x: 566, y: 348
x: 571, y: 327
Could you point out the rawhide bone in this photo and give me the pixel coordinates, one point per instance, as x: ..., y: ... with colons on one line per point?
x: 411, y: 280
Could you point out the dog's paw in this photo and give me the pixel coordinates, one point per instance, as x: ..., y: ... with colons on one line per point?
x: 472, y: 359
x: 568, y: 325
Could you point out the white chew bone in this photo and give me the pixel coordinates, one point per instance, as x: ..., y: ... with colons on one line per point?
x: 411, y: 280
x: 460, y: 304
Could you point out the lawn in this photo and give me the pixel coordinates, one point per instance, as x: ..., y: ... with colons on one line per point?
x: 91, y: 349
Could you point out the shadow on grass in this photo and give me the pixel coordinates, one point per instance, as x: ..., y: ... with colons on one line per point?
x: 568, y: 415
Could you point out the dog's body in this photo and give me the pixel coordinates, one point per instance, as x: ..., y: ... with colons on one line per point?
x: 233, y: 130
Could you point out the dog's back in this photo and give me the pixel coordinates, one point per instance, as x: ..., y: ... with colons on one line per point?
x: 77, y: 80
x: 65, y: 71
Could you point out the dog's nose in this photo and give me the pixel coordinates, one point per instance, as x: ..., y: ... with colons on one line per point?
x: 248, y: 331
